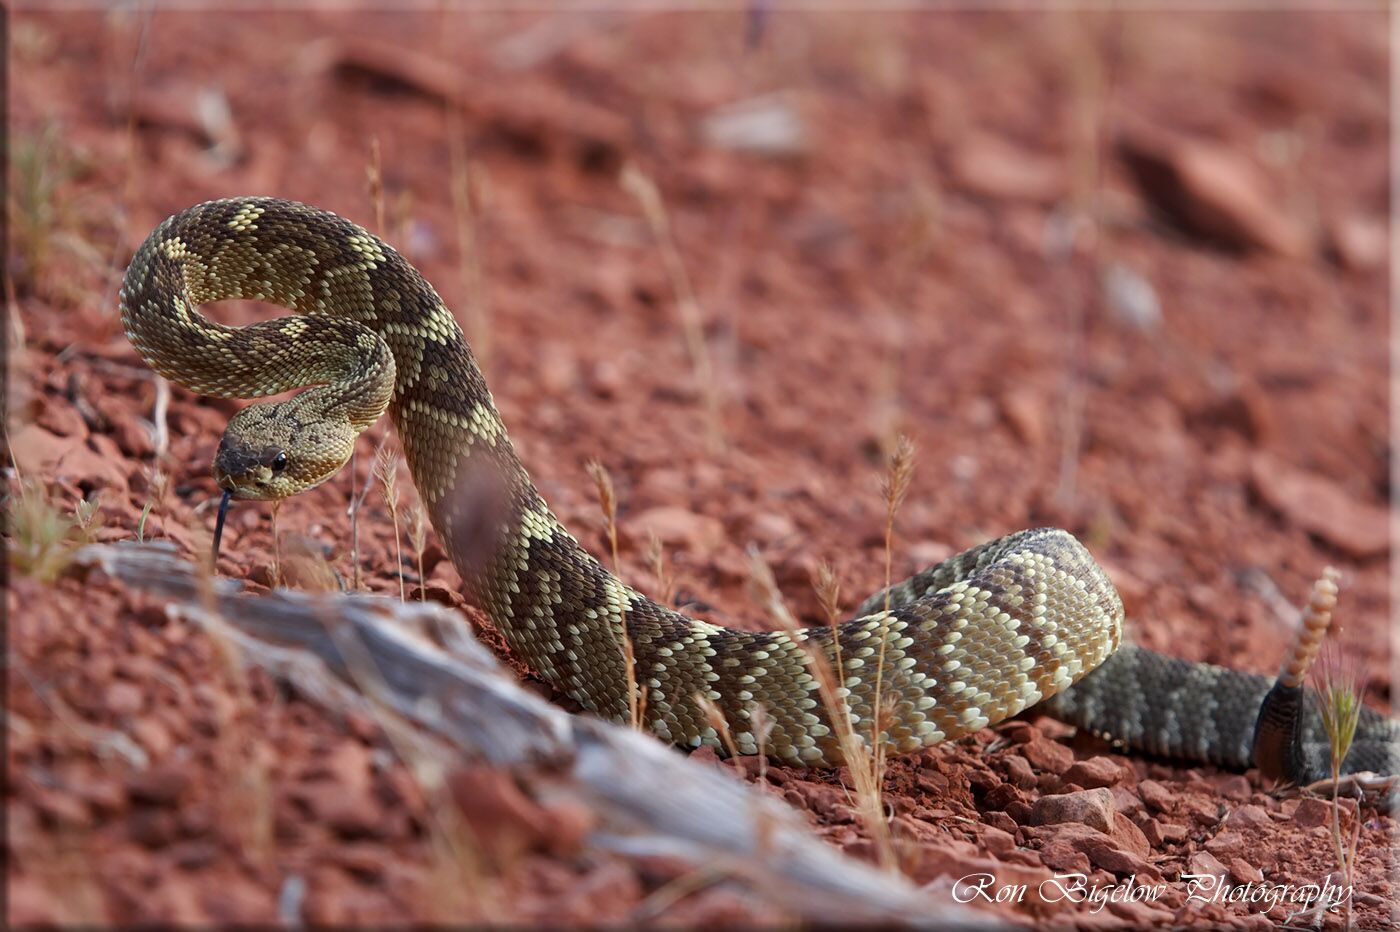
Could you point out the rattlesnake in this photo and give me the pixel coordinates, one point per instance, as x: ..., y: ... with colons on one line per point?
x: 967, y: 643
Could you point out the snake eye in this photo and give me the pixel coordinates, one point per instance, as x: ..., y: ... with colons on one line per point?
x: 280, y: 463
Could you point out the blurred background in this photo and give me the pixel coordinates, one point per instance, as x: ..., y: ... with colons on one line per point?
x: 1120, y: 271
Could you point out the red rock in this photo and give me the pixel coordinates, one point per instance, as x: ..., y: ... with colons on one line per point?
x: 1128, y: 836
x: 1127, y: 802
x: 1098, y: 772
x: 994, y: 168
x: 38, y: 452
x: 675, y: 527
x: 601, y: 893
x: 1203, y: 813
x: 1093, y: 808
x: 349, y: 815
x: 161, y: 785
x: 104, y: 794
x: 961, y: 862
x: 1254, y: 922
x: 569, y: 826
x: 1139, y: 914
x: 997, y: 842
x: 124, y: 698
x: 1048, y: 756
x: 153, y: 828
x: 63, y: 809
x: 1358, y: 242
x: 239, y: 900
x: 1163, y: 833
x: 705, y: 754
x: 1247, y: 817
x: 1018, y: 771
x: 1244, y: 872
x: 1018, y: 732
x: 505, y: 822
x: 606, y: 379
x: 1312, y: 812
x: 193, y: 854
x: 1102, y: 850
x: 1063, y: 857
x: 1211, y: 190
x: 1203, y: 862
x: 61, y: 418
x: 768, y: 528
x: 1024, y: 411
x: 1321, y: 507
x: 1111, y: 858
x: 1225, y: 843
x: 1002, y: 821
x: 32, y: 903
x: 1234, y: 787
x: 132, y: 436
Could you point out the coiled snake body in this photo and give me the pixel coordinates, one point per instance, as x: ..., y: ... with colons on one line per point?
x: 966, y: 643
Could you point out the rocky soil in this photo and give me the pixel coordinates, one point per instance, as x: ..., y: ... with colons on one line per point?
x: 1121, y: 273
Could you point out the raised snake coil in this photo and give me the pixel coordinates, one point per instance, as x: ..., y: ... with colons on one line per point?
x: 967, y: 643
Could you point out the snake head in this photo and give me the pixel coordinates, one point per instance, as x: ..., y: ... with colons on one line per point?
x: 272, y: 451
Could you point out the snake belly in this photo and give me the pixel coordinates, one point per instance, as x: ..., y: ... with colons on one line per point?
x: 967, y: 643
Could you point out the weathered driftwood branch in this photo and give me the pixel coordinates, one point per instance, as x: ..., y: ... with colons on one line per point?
x: 648, y: 798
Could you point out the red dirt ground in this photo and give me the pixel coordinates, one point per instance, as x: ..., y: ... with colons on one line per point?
x: 1120, y: 273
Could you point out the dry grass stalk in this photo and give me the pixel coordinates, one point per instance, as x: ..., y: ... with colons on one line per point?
x: 762, y: 725
x: 355, y: 581
x: 386, y: 467
x: 640, y: 185
x: 159, y: 483
x: 275, y: 511
x: 1339, y: 702
x: 308, y: 569
x: 763, y: 588
x: 665, y: 582
x: 403, y: 223
x: 1338, y: 685
x: 357, y: 501
x: 418, y: 536
x: 893, y: 488
x: 607, y: 501
x: 668, y: 895
x: 40, y: 536
x: 87, y: 516
x: 374, y: 182
x: 1338, y: 695
x: 466, y: 205
x: 37, y: 212
x: 828, y: 589
x: 855, y: 753
x: 717, y: 721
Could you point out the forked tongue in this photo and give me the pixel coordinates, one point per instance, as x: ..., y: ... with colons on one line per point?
x: 219, y: 523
